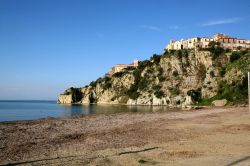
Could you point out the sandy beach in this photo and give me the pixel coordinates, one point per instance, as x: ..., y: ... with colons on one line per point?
x: 211, y: 136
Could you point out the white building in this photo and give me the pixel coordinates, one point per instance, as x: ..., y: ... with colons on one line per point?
x: 197, y: 42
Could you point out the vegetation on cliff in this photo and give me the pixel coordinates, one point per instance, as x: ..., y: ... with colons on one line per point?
x: 174, y: 78
x: 233, y: 82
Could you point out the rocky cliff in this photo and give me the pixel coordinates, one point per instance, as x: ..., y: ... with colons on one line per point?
x: 176, y: 78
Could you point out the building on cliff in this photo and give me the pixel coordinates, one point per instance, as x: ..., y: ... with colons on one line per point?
x: 120, y: 67
x: 203, y: 42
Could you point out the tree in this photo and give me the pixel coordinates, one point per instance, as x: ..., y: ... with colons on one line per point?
x: 156, y: 58
x: 214, y: 44
x: 214, y: 47
x: 235, y: 56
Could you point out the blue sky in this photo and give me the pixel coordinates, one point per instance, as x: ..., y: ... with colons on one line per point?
x: 47, y: 46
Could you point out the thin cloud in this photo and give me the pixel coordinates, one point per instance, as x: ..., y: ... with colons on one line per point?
x: 220, y: 22
x: 153, y: 28
x: 174, y: 27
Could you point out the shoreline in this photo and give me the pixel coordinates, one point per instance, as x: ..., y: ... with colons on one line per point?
x: 169, y: 109
x: 148, y: 105
x: 151, y: 137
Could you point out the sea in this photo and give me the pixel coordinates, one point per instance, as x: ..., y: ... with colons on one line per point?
x: 12, y: 110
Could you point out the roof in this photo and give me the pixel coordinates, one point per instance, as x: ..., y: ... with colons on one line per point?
x: 231, y: 38
x: 121, y: 65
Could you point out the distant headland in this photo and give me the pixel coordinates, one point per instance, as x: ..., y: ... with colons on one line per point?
x: 196, y: 71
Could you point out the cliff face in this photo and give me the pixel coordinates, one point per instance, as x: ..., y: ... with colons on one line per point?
x: 177, y: 78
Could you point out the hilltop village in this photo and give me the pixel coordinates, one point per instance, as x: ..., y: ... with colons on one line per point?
x: 225, y: 41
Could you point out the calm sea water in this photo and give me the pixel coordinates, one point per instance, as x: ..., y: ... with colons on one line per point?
x: 28, y: 110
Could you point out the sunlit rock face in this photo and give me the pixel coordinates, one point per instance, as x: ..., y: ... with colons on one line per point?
x: 176, y: 79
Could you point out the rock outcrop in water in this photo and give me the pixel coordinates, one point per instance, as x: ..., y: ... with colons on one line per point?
x: 176, y: 78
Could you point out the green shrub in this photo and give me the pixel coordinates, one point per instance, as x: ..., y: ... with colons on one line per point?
x: 217, y: 52
x: 93, y: 83
x: 156, y: 58
x: 99, y: 80
x: 166, y: 54
x: 209, y: 101
x: 156, y: 87
x: 143, y: 64
x: 160, y: 71
x: 142, y: 161
x: 175, y: 73
x: 157, y: 91
x: 107, y: 79
x: 149, y: 71
x: 215, y: 49
x: 119, y: 74
x: 132, y: 93
x: 227, y: 50
x: 174, y: 91
x: 212, y: 74
x: 235, y: 56
x: 107, y: 85
x: 143, y: 84
x: 185, y: 52
x: 222, y: 71
x: 178, y: 54
x: 214, y: 44
x: 162, y: 78
x: 159, y: 94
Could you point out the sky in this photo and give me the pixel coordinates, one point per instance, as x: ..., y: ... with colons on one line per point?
x: 47, y: 46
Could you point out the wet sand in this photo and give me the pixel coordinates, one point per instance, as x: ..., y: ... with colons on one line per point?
x: 212, y: 136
